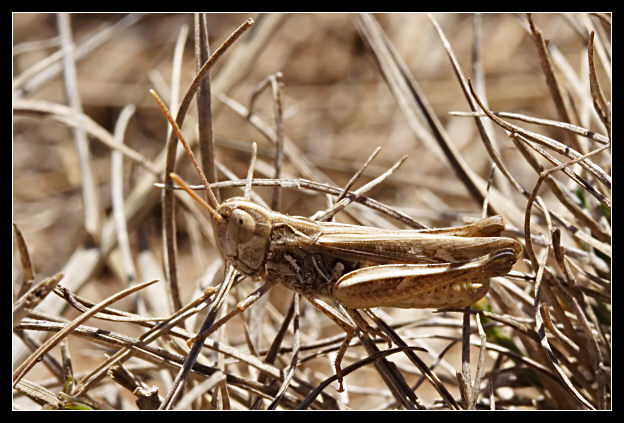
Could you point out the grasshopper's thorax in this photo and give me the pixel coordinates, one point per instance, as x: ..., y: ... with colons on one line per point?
x: 243, y: 235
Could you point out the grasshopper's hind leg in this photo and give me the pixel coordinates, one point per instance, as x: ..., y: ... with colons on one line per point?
x: 364, y: 326
x: 344, y: 322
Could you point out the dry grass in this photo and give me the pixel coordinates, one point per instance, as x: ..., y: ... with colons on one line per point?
x: 89, y: 143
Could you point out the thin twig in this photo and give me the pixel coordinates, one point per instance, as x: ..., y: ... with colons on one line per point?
x: 599, y: 138
x: 34, y: 358
x: 357, y: 174
x: 599, y: 232
x: 31, y: 298
x: 301, y: 183
x: 345, y: 201
x: 295, y: 354
x: 189, y: 361
x: 276, y: 88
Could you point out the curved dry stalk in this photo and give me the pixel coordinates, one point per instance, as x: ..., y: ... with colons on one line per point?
x: 89, y: 192
x: 600, y: 233
x: 168, y: 221
x: 117, y: 194
x: 68, y: 116
x: 168, y: 199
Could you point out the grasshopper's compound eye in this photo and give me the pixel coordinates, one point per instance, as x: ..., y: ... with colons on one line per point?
x: 241, y: 225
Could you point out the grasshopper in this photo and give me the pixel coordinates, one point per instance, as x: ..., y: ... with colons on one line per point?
x: 355, y: 266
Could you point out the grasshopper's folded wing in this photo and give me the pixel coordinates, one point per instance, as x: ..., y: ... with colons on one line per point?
x: 445, y: 245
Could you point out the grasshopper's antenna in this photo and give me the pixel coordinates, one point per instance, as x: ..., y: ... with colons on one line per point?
x: 252, y: 164
x: 189, y: 153
x: 196, y: 197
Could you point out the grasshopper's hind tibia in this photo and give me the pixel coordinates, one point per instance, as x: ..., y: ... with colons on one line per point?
x: 364, y: 326
x: 346, y: 324
x: 349, y: 326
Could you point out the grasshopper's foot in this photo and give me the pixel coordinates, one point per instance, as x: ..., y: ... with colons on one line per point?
x: 340, y: 380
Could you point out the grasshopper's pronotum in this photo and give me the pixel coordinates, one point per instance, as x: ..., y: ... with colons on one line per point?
x: 356, y: 266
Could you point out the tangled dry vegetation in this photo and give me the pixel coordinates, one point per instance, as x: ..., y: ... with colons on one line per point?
x: 497, y: 113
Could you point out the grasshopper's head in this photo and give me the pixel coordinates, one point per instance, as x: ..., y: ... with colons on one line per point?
x: 243, y: 234
x: 242, y: 228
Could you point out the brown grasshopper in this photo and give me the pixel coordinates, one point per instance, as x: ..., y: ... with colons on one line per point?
x: 356, y: 266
